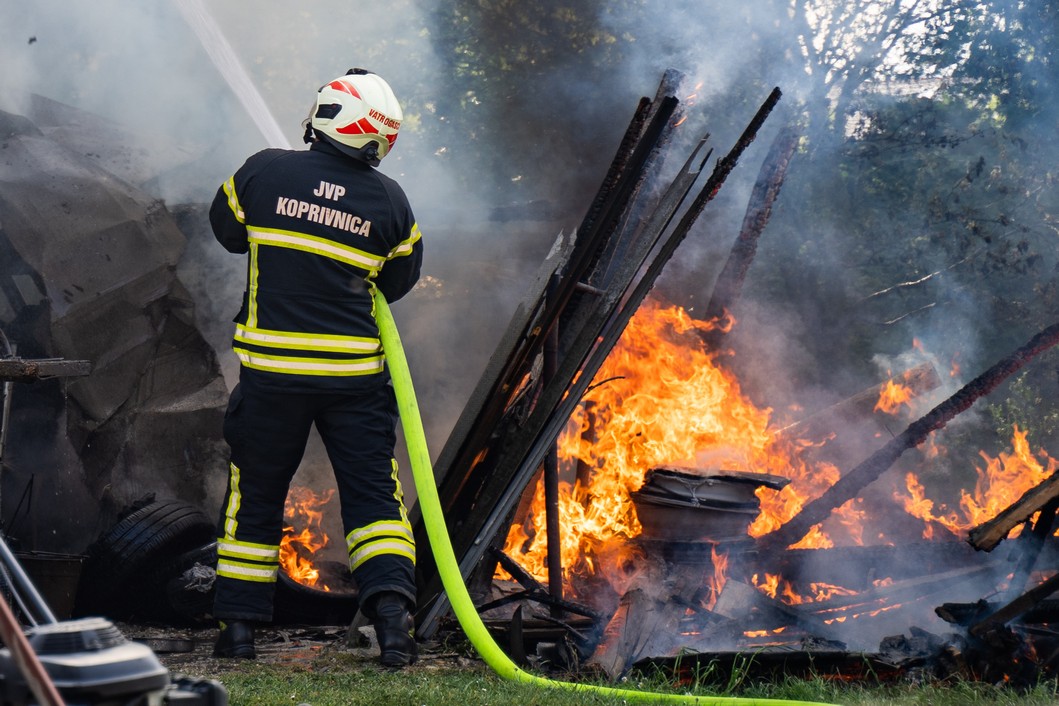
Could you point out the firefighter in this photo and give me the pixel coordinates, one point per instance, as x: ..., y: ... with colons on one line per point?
x: 322, y: 228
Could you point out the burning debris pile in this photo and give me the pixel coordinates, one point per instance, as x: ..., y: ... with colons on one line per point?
x: 616, y: 498
x: 613, y: 494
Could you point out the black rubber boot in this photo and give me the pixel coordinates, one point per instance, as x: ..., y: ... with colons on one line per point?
x: 395, y: 630
x: 236, y: 640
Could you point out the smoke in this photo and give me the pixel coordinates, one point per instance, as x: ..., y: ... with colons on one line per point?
x: 543, y: 144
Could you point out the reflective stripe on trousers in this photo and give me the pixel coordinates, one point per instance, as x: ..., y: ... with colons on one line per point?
x: 267, y: 431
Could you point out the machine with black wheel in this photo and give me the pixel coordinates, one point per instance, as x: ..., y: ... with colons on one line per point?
x: 83, y: 662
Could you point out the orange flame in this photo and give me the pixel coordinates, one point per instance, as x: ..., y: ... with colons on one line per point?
x: 720, y: 576
x: 660, y: 399
x: 296, y: 549
x: 892, y: 396
x: 1001, y: 482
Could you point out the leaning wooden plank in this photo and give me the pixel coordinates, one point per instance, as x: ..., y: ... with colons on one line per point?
x: 521, y: 447
x: 986, y: 536
x: 634, y: 632
x: 469, y: 463
x: 729, y: 284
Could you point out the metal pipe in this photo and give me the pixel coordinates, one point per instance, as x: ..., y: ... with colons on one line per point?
x: 23, y: 585
x: 5, y: 419
x: 37, y: 678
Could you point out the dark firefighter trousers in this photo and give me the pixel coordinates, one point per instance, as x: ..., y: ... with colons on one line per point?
x: 267, y: 432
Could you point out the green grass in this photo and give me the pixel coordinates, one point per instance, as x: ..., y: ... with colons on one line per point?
x: 334, y: 680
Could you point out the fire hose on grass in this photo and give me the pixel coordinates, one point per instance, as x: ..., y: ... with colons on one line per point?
x: 448, y: 568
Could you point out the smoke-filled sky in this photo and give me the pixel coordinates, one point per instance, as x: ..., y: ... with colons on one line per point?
x: 142, y: 66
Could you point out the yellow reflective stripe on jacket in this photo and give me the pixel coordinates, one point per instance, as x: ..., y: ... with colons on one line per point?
x: 247, y: 572
x: 383, y: 546
x: 317, y: 246
x: 233, y: 200
x: 308, y: 366
x: 305, y: 341
x: 251, y: 287
x: 383, y: 528
x: 405, y: 246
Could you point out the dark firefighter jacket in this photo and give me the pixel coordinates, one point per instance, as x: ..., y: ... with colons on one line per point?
x: 321, y: 230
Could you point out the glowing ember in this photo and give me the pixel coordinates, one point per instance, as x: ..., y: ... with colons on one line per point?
x: 296, y: 549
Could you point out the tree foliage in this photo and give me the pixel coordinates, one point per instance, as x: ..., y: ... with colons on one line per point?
x: 922, y: 205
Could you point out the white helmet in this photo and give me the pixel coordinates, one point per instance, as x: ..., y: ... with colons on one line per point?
x: 359, y: 114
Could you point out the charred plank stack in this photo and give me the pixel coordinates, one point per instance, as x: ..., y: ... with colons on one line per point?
x: 585, y: 293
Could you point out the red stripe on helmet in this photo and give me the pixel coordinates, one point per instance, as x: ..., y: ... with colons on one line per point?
x: 340, y: 85
x: 360, y: 127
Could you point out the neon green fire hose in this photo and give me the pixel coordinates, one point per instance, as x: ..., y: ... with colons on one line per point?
x: 459, y: 598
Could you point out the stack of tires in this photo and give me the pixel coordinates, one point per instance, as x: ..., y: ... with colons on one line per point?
x: 134, y: 570
x: 156, y: 565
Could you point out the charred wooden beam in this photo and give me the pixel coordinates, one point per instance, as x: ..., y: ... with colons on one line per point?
x: 965, y: 613
x: 523, y: 577
x: 1045, y: 611
x: 1016, y: 608
x: 986, y: 536
x: 22, y: 370
x: 766, y: 190
x: 847, y: 487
